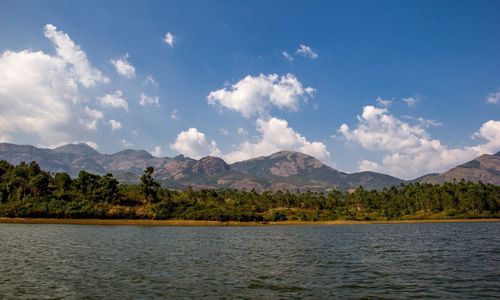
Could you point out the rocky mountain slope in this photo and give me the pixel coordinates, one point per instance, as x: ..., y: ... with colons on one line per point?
x: 295, y: 170
x: 485, y: 168
x: 284, y: 170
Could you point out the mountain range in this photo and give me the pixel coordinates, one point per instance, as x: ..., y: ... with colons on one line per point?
x: 284, y: 170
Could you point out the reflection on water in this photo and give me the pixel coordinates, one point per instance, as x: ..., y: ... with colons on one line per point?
x: 446, y: 260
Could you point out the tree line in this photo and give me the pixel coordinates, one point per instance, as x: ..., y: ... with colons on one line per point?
x: 28, y: 191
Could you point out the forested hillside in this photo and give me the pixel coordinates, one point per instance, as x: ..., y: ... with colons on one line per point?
x: 28, y: 191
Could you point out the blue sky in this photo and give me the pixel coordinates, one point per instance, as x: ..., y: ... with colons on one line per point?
x: 76, y: 72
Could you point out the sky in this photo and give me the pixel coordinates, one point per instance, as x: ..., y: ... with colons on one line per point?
x: 399, y: 87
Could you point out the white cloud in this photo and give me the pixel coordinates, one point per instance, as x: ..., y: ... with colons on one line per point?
x: 40, y: 98
x: 287, y: 56
x: 115, y: 125
x: 157, y: 151
x: 493, y: 98
x: 90, y: 117
x: 410, y: 101
x: 71, y: 53
x: 383, y: 102
x: 489, y: 131
x: 310, y: 91
x: 123, y: 67
x: 276, y: 136
x: 255, y: 95
x: 409, y: 151
x: 92, y: 144
x: 193, y: 143
x: 126, y: 143
x: 306, y: 51
x: 169, y: 39
x: 149, y: 100
x: 223, y: 131
x: 115, y: 100
x: 366, y: 165
x: 174, y: 115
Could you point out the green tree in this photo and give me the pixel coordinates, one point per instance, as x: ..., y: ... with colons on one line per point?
x: 108, y: 188
x: 62, y: 181
x: 149, y: 187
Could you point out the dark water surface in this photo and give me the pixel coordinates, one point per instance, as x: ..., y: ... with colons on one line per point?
x: 444, y: 260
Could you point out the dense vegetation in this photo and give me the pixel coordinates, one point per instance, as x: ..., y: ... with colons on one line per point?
x: 28, y: 191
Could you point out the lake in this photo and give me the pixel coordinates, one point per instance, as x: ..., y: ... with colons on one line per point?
x: 445, y: 260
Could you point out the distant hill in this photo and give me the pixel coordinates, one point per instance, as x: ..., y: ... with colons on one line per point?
x: 284, y: 170
x: 299, y: 171
x: 485, y: 168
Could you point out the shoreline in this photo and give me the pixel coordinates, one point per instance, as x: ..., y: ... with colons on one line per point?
x: 135, y: 222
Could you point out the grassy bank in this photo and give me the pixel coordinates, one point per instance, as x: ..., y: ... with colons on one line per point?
x: 217, y: 223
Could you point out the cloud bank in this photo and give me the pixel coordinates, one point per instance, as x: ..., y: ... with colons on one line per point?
x: 41, y: 93
x: 409, y: 150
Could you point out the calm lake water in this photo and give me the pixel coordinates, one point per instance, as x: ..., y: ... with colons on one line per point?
x: 445, y: 260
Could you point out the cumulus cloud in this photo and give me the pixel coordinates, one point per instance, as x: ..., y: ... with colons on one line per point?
x: 41, y: 100
x: 287, y: 56
x: 123, y: 67
x: 410, y: 101
x: 75, y: 57
x: 276, y: 135
x: 409, y: 150
x: 306, y: 51
x: 115, y: 125
x: 194, y: 144
x: 149, y: 100
x: 493, y: 98
x: 169, y: 39
x: 89, y: 118
x: 114, y: 100
x: 255, y: 95
x: 223, y: 131
x: 490, y: 132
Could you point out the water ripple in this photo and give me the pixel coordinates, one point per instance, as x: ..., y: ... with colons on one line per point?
x: 441, y: 260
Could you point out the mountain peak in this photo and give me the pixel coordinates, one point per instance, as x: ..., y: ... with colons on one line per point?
x: 210, y: 165
x: 485, y: 168
x: 287, y: 153
x: 179, y: 157
x: 281, y: 164
x: 79, y: 149
x: 301, y: 160
x: 284, y: 153
x: 135, y: 154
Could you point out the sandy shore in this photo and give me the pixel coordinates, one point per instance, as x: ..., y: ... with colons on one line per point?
x: 216, y: 223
